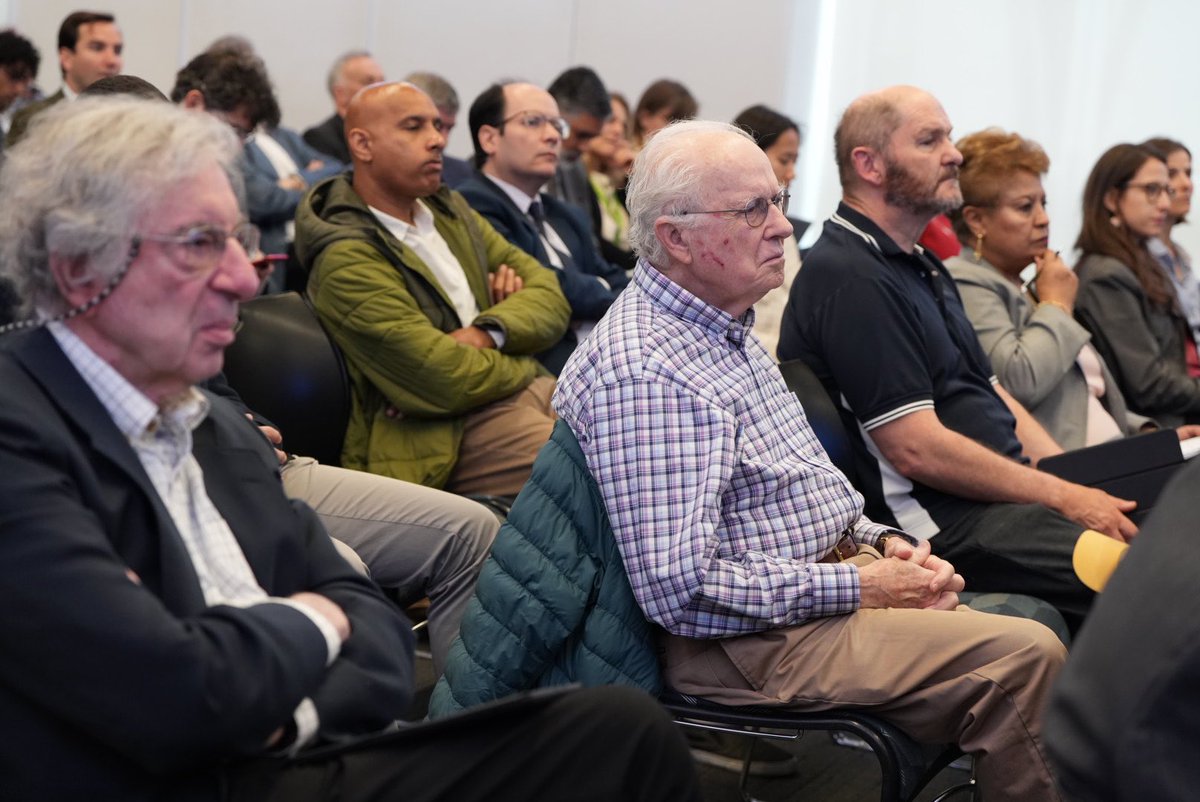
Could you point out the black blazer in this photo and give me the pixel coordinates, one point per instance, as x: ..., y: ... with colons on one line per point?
x: 115, y: 689
x: 329, y: 137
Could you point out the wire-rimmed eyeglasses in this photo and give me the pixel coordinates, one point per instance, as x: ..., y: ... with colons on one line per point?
x: 756, y: 210
x: 200, y: 248
x: 534, y: 120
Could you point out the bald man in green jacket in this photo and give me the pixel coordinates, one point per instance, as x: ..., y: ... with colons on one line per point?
x: 438, y: 315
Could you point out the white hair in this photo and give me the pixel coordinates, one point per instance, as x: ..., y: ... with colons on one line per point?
x: 77, y: 185
x: 666, y: 180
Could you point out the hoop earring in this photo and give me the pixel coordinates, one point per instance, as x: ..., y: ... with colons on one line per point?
x: 979, y: 247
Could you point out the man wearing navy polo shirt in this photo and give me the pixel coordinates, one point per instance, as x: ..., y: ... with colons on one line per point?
x: 943, y: 450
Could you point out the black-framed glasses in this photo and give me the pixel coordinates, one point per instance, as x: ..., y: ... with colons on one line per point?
x: 756, y: 210
x: 534, y: 120
x: 201, y: 248
x: 1153, y: 190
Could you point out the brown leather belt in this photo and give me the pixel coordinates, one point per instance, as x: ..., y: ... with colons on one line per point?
x: 846, y: 548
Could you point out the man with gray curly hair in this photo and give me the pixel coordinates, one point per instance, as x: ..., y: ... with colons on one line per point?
x: 173, y: 626
x: 741, y: 539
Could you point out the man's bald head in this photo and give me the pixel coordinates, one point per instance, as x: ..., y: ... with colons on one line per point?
x: 369, y: 104
x: 394, y: 134
x: 869, y: 122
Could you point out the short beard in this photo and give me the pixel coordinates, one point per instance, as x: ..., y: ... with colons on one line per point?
x: 905, y: 191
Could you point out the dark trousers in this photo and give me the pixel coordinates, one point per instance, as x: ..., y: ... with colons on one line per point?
x: 1018, y: 548
x: 596, y: 744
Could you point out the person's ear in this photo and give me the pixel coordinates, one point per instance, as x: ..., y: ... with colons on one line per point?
x: 869, y: 166
x: 194, y: 101
x: 973, y: 216
x: 73, y: 277
x: 489, y: 139
x: 1111, y: 197
x: 358, y: 142
x: 675, y: 240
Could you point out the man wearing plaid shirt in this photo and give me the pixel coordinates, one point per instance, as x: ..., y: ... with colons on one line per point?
x: 741, y: 539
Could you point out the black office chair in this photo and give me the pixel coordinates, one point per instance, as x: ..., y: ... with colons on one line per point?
x: 906, y: 767
x: 822, y: 416
x: 285, y: 366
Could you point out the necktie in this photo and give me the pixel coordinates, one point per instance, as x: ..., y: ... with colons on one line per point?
x: 538, y: 214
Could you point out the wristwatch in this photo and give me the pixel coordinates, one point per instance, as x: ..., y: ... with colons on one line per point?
x: 881, y: 541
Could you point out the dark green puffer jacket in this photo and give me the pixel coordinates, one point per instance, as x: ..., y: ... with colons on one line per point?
x: 553, y: 604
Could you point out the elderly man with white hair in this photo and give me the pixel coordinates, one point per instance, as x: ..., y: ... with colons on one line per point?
x: 173, y: 626
x: 741, y: 539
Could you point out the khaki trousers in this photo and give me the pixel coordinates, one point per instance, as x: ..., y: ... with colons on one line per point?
x: 500, y: 442
x: 975, y: 679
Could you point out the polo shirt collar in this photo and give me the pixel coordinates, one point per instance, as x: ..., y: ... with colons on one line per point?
x: 860, y: 225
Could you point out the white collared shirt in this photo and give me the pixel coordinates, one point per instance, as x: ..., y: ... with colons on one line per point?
x: 423, y: 237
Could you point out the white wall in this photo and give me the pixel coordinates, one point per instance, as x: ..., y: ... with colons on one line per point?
x: 728, y: 57
x: 1076, y: 75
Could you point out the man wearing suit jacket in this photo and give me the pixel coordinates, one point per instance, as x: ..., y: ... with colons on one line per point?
x: 517, y: 135
x: 173, y: 627
x: 90, y: 47
x: 279, y: 167
x: 350, y: 73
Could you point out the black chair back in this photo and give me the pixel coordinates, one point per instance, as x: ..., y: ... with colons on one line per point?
x: 286, y: 367
x: 822, y: 415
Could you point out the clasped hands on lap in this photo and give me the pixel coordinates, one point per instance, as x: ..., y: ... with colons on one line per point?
x: 909, y: 576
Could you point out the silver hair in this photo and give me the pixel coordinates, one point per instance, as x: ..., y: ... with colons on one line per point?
x: 79, y: 183
x: 438, y: 88
x: 335, y: 72
x: 666, y: 180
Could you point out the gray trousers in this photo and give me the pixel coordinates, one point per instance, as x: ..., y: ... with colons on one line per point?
x: 416, y: 541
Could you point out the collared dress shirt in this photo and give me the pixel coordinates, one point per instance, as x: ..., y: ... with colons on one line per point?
x: 719, y: 493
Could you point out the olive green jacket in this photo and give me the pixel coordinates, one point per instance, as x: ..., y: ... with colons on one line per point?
x: 391, y: 318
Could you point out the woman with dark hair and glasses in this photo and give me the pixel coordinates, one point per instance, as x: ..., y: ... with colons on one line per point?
x: 1175, y: 261
x: 1125, y: 298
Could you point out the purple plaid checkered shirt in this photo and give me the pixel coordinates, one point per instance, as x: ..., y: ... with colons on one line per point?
x: 720, y: 495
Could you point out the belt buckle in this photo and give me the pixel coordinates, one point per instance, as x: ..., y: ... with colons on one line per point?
x: 846, y: 547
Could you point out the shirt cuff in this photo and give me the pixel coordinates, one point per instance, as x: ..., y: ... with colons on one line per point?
x: 835, y: 589
x: 867, y: 532
x: 333, y: 641
x: 496, y: 333
x: 307, y: 724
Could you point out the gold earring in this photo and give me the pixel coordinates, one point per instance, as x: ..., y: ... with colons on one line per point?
x: 979, y: 247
